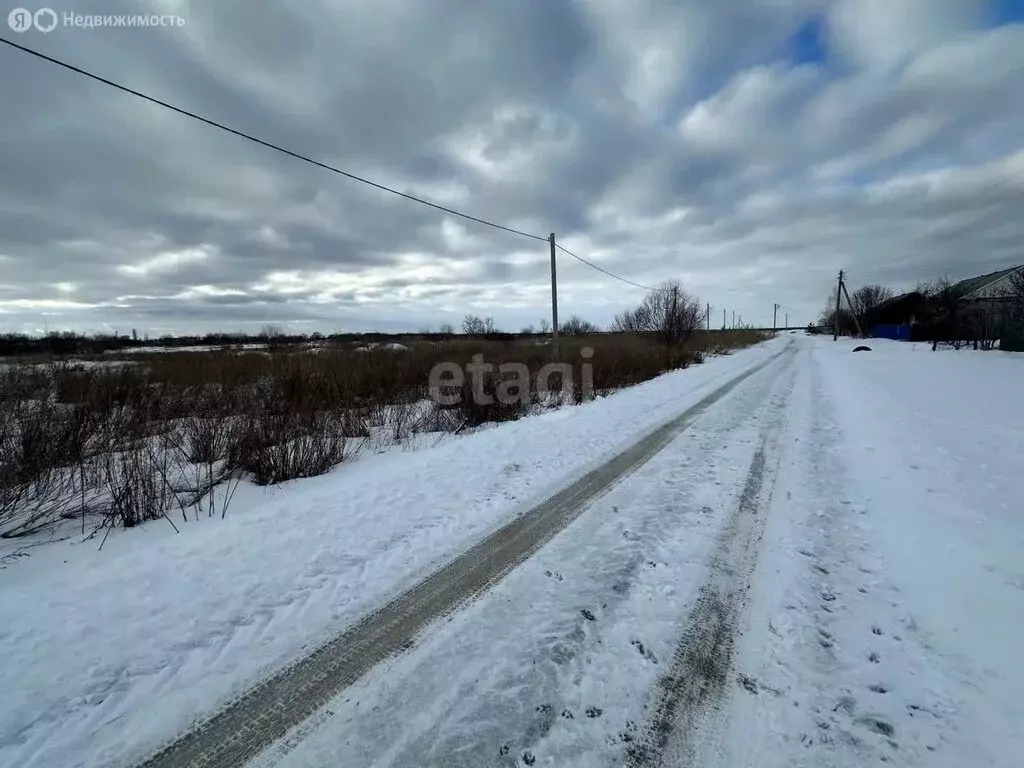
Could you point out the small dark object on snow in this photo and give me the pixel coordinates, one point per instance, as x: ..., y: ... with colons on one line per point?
x: 862, y: 348
x: 588, y: 615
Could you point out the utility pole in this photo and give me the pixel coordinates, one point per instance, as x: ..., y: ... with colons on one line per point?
x: 856, y: 320
x: 787, y: 321
x: 708, y: 315
x: 554, y: 296
x: 775, y: 319
x: 839, y: 298
x: 734, y: 319
x: 725, y: 322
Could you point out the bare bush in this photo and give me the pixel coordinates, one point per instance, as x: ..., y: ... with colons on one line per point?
x: 136, y: 487
x: 274, y: 448
x: 577, y: 326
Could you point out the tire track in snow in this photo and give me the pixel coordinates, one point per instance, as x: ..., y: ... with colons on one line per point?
x: 688, y: 695
x: 266, y: 713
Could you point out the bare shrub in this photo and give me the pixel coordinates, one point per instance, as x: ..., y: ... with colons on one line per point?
x: 480, y: 403
x: 577, y: 326
x: 274, y: 448
x: 136, y: 489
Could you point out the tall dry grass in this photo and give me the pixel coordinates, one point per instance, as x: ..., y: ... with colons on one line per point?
x: 120, y: 444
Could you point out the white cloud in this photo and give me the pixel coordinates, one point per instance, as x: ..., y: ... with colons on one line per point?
x: 882, y: 34
x: 166, y: 262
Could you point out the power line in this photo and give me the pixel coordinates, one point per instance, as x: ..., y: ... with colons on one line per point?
x: 267, y: 144
x: 306, y: 159
x: 602, y: 269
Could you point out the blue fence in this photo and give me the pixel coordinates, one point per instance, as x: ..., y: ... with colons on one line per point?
x: 894, y: 332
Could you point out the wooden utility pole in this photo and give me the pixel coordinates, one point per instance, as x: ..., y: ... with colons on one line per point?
x: 734, y: 319
x: 708, y: 315
x: 775, y: 319
x: 787, y: 320
x: 554, y: 296
x: 856, y: 320
x: 725, y: 322
x: 839, y: 298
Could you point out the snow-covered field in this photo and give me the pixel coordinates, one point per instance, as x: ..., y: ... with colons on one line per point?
x: 877, y: 503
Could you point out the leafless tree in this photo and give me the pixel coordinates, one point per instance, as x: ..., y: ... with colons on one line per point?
x: 545, y: 326
x: 668, y: 312
x: 577, y: 326
x: 474, y: 325
x: 447, y: 329
x: 949, y: 309
x: 1015, y: 294
x: 868, y: 299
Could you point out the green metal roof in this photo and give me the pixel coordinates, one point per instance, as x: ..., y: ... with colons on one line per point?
x: 969, y: 286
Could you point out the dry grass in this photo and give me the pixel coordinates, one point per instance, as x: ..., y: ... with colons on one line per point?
x: 123, y: 444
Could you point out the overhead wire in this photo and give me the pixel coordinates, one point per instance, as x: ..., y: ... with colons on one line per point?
x: 268, y: 144
x: 307, y: 159
x: 605, y: 271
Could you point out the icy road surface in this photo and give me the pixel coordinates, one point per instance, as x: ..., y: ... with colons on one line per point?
x: 823, y: 566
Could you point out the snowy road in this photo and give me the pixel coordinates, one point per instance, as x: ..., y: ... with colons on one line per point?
x: 819, y: 565
x: 265, y: 714
x: 778, y: 587
x: 557, y: 661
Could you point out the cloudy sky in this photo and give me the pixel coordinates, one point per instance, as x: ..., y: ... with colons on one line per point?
x: 750, y: 148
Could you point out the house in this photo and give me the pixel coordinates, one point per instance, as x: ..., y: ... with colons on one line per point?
x: 993, y: 286
x: 976, y: 309
x: 905, y: 309
x: 986, y: 302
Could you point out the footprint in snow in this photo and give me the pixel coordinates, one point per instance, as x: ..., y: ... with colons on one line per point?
x: 877, y: 725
